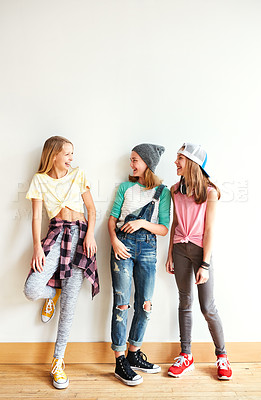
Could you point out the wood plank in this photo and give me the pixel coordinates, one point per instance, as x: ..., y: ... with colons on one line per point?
x: 97, y: 382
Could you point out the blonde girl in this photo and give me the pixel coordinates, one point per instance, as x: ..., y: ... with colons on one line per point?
x: 62, y: 260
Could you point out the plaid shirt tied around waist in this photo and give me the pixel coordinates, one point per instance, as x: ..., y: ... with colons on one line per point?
x: 80, y: 259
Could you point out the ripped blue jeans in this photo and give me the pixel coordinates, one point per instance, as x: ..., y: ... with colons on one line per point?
x: 141, y: 266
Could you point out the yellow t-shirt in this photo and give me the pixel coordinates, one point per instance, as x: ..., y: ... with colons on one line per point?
x: 59, y: 193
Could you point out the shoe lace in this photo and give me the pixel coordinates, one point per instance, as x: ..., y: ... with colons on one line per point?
x: 181, y: 360
x: 127, y: 369
x: 49, y: 306
x: 142, y: 360
x: 222, y: 363
x: 141, y: 355
x: 58, y: 368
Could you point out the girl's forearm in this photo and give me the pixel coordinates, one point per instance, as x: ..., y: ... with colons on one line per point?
x: 173, y: 225
x: 91, y: 210
x: 36, y: 222
x: 207, y: 246
x: 170, y: 251
x: 91, y: 220
x: 112, y: 228
x: 36, y: 231
x: 171, y: 238
x: 209, y: 225
x: 157, y: 229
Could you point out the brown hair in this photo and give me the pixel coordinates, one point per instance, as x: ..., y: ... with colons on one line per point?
x: 151, y: 180
x: 197, y: 182
x: 51, y: 148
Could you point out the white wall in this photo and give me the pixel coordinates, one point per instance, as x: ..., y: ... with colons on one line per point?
x: 109, y: 74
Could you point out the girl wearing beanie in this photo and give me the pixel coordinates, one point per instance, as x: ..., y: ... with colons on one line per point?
x: 139, y: 213
x: 194, y: 202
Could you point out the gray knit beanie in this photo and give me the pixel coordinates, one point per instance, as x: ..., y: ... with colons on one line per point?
x: 150, y: 153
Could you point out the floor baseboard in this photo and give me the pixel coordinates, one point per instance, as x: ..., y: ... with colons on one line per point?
x: 100, y: 352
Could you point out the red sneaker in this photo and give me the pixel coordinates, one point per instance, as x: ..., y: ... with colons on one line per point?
x: 183, y: 364
x: 224, y: 368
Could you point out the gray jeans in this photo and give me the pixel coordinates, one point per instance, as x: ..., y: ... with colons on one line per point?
x: 187, y: 259
x: 36, y: 288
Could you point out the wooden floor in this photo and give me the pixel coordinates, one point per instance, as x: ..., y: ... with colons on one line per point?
x: 97, y: 381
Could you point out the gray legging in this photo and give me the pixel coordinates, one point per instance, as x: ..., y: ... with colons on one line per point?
x: 187, y: 259
x: 36, y: 288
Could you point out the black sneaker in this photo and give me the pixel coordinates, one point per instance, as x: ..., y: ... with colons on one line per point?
x: 138, y: 361
x: 124, y: 372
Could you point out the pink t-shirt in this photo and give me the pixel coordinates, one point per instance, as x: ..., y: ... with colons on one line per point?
x: 191, y: 219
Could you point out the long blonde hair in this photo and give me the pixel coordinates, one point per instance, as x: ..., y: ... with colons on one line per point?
x: 197, y: 182
x: 151, y: 180
x: 51, y: 148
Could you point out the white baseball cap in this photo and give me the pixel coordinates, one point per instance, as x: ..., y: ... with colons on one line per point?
x: 195, y: 153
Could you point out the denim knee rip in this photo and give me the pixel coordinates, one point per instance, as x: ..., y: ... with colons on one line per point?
x: 122, y: 310
x: 147, y: 312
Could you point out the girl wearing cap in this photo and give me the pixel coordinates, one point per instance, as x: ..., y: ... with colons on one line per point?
x: 66, y: 256
x: 194, y: 203
x: 139, y: 213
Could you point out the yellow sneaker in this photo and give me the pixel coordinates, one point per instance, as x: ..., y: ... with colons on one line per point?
x: 48, y: 310
x: 60, y: 380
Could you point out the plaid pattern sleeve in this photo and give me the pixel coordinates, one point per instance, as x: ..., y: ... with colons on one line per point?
x: 80, y: 259
x: 88, y: 264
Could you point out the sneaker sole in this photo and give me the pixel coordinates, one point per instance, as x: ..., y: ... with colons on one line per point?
x: 224, y: 378
x: 148, y: 371
x: 129, y: 383
x: 63, y: 385
x: 190, y: 368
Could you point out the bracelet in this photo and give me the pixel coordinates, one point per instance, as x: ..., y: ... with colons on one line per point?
x: 207, y: 268
x: 205, y: 264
